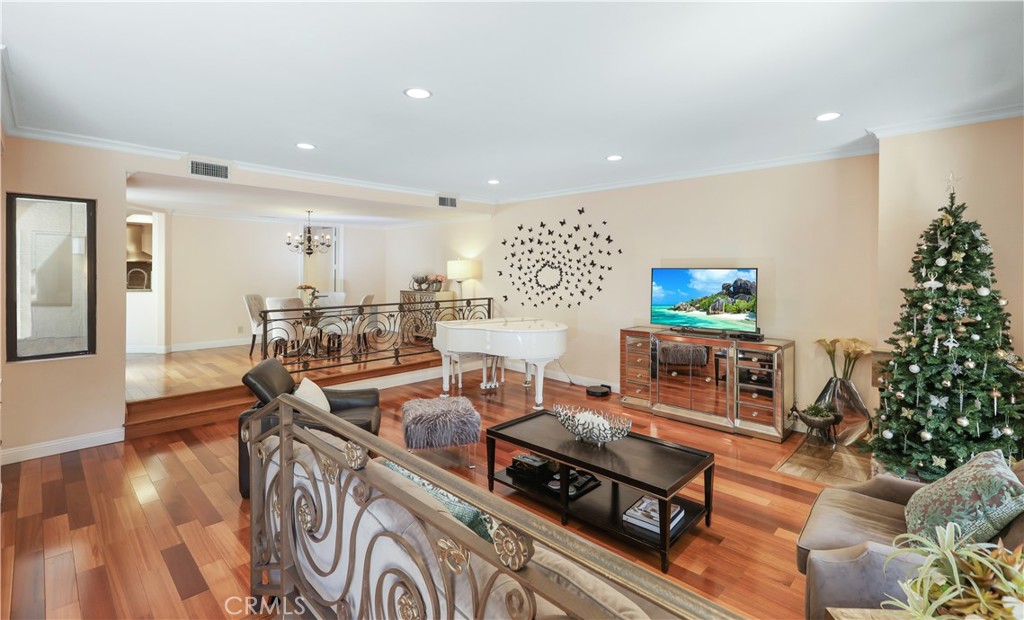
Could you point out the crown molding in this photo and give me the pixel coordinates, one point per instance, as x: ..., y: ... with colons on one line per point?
x: 707, y: 172
x: 945, y: 122
x: 61, y: 137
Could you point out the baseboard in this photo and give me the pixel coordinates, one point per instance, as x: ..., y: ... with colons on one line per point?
x: 552, y: 371
x: 210, y: 344
x: 143, y: 348
x: 60, y: 446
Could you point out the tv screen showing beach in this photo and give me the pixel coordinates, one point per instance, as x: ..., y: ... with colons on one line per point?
x: 705, y: 298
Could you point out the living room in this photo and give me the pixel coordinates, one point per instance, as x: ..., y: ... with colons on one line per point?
x: 831, y: 233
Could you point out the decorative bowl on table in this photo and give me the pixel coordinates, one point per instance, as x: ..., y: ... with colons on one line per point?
x: 593, y: 427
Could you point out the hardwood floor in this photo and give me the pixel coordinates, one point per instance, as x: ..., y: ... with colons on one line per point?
x: 154, y: 527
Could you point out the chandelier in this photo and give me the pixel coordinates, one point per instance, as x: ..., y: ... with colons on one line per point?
x: 306, y: 242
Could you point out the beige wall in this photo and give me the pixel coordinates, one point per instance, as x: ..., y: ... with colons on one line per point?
x: 47, y: 400
x: 213, y: 262
x: 912, y: 187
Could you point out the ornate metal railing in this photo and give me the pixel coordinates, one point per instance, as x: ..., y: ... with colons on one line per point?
x: 343, y: 536
x: 330, y: 336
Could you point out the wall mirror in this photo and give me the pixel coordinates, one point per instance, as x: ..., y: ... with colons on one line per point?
x: 51, y: 277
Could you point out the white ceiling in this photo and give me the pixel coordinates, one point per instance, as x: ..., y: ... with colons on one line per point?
x: 533, y: 94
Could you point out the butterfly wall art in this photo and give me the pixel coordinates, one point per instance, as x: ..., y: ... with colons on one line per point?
x: 560, y: 264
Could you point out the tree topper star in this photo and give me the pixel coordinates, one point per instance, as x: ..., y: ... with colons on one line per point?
x: 951, y: 182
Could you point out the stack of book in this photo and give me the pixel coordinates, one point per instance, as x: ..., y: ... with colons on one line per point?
x: 642, y: 518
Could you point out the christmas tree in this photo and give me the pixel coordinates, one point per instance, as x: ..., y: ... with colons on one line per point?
x: 952, y: 386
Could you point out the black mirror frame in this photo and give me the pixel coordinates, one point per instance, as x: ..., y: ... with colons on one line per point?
x: 12, y: 279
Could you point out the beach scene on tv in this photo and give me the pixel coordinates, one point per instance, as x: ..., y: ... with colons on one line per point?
x: 705, y: 298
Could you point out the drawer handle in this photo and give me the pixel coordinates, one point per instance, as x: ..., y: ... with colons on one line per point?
x: 707, y: 379
x: 674, y: 373
x: 754, y: 414
x: 639, y: 375
x: 638, y: 390
x: 639, y: 359
x: 754, y: 395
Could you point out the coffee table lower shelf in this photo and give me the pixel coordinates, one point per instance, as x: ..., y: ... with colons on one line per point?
x: 603, y: 506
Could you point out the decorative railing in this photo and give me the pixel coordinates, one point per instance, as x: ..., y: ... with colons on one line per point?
x: 320, y: 538
x: 326, y: 337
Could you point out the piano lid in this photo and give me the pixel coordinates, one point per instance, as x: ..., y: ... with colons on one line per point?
x: 517, y: 324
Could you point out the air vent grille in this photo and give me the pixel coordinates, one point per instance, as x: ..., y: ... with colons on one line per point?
x: 206, y: 169
x: 446, y: 201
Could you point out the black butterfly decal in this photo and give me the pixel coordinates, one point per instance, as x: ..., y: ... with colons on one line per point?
x: 543, y: 225
x: 504, y: 242
x: 504, y: 297
x: 597, y: 235
x: 500, y: 273
x: 608, y: 238
x: 529, y: 230
x: 520, y: 227
x: 576, y: 227
x: 580, y: 210
x: 620, y: 250
x: 599, y: 289
x: 561, y: 222
x: 576, y: 248
x: 605, y: 222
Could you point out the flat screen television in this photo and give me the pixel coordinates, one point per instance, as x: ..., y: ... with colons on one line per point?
x: 714, y: 299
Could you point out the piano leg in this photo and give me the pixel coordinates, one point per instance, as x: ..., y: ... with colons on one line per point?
x: 446, y: 369
x: 490, y: 370
x: 538, y: 389
x: 526, y: 374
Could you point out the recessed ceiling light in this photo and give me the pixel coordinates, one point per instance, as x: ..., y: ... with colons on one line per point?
x: 305, y: 146
x: 614, y: 158
x: 417, y: 93
x: 493, y: 181
x: 828, y: 116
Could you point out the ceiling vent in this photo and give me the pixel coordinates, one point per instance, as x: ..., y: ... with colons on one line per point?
x: 206, y: 169
x: 446, y: 201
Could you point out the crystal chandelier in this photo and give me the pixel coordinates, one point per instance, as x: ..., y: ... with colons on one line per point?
x: 306, y: 242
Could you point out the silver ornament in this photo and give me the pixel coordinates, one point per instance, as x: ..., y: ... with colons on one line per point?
x: 925, y: 436
x: 914, y: 368
x: 964, y: 422
x: 1007, y: 431
x: 975, y: 337
x: 927, y: 307
x: 941, y: 262
x: 970, y: 364
x: 1003, y: 302
x: 887, y: 434
x: 983, y: 291
x: 900, y: 395
x: 946, y: 383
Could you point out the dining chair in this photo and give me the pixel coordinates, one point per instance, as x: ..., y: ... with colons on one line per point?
x: 285, y: 328
x: 254, y: 304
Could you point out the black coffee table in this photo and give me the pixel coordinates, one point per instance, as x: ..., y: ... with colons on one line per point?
x: 629, y: 468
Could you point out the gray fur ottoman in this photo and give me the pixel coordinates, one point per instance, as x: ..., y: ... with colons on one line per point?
x: 440, y: 423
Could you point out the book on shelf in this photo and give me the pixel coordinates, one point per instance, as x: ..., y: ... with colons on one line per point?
x: 651, y: 535
x: 644, y: 514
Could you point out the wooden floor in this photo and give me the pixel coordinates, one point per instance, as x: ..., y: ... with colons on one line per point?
x: 151, y: 375
x: 154, y: 527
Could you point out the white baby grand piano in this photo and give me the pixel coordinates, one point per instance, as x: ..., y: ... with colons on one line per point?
x: 536, y: 341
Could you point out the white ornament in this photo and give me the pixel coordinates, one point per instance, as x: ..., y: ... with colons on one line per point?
x: 951, y: 286
x: 927, y: 307
x: 914, y: 368
x: 1002, y: 302
x: 941, y: 262
x: 887, y: 434
x: 932, y: 283
x: 975, y: 337
x: 900, y: 395
x: 1007, y: 431
x: 983, y: 291
x: 925, y: 436
x: 970, y: 364
x: 963, y: 422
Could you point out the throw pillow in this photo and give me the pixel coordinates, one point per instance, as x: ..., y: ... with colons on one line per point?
x: 471, y: 516
x: 982, y: 497
x: 312, y: 394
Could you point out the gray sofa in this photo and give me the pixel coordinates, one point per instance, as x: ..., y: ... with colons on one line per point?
x: 847, y: 539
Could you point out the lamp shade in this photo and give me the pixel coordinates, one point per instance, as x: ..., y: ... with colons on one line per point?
x: 463, y: 269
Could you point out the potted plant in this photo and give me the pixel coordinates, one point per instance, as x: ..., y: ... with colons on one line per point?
x: 959, y: 579
x: 840, y: 390
x: 819, y: 416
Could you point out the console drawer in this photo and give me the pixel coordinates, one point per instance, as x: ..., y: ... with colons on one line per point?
x: 635, y: 360
x: 757, y: 415
x: 637, y: 390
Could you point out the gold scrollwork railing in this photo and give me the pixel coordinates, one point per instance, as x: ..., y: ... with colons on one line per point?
x: 326, y: 337
x: 345, y: 534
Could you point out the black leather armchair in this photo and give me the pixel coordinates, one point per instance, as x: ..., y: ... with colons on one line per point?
x: 269, y: 379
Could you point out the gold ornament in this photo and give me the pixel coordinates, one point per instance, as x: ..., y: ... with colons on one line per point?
x: 995, y: 393
x: 1001, y: 354
x: 947, y: 219
x: 917, y: 258
x: 958, y: 257
x: 946, y: 383
x: 927, y: 307
x: 960, y: 329
x: 941, y: 317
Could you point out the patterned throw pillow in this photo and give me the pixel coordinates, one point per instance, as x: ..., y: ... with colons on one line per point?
x: 982, y: 497
x: 468, y: 514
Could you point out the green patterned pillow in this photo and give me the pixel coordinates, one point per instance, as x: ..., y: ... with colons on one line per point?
x: 468, y: 514
x: 982, y: 497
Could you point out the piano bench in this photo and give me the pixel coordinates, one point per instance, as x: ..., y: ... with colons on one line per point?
x: 440, y: 423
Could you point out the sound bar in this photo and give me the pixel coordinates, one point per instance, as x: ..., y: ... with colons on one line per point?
x: 720, y: 333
